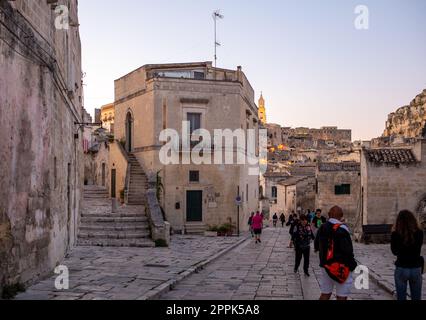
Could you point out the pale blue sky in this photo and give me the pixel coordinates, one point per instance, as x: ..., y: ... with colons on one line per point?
x: 313, y: 66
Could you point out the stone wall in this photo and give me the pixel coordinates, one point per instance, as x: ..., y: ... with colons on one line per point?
x: 94, y: 161
x: 408, y: 121
x: 326, y: 197
x: 391, y: 187
x: 40, y: 159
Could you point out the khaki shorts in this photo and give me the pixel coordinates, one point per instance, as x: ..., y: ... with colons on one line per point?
x: 327, y: 285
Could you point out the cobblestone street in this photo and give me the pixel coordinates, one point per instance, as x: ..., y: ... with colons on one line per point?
x: 246, y: 272
x: 110, y: 273
x: 261, y: 272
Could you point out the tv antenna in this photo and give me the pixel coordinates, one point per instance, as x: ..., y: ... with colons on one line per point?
x: 216, y: 16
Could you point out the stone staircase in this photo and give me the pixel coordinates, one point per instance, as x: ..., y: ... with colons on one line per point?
x: 128, y: 227
x: 195, y: 228
x: 138, y: 182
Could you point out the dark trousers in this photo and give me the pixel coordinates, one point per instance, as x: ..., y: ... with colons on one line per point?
x: 404, y: 276
x: 305, y: 253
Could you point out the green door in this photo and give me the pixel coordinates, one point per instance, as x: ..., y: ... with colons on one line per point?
x: 194, y: 206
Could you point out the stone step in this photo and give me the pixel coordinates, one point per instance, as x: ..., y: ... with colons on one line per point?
x: 141, y: 243
x: 140, y: 214
x: 138, y: 187
x: 195, y: 228
x: 115, y: 227
x: 97, y: 196
x: 138, y: 181
x: 131, y: 201
x: 85, y: 220
x: 95, y: 192
x: 113, y: 235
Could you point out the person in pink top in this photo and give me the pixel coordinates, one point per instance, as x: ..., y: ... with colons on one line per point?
x: 257, y: 225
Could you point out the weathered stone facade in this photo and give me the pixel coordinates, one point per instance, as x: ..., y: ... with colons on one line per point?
x: 96, y: 160
x: 156, y: 97
x: 339, y: 184
x: 393, y: 179
x: 40, y: 159
x: 306, y: 138
x: 108, y: 117
x: 295, y: 194
x: 408, y: 121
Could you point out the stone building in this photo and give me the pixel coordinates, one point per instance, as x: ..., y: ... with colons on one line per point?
x: 275, y: 138
x: 107, y: 117
x: 408, y: 121
x: 295, y: 194
x: 393, y: 179
x: 269, y: 181
x: 339, y: 184
x: 41, y: 149
x: 157, y: 97
x: 96, y: 159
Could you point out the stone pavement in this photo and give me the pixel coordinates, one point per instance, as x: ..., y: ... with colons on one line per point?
x: 247, y: 272
x: 260, y: 272
x: 109, y: 273
x: 380, y: 261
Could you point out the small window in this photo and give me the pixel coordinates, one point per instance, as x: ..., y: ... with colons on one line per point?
x: 342, y: 189
x: 194, y: 121
x: 274, y: 192
x: 194, y: 176
x: 199, y: 75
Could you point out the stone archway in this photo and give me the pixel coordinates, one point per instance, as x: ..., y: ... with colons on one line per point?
x: 421, y: 212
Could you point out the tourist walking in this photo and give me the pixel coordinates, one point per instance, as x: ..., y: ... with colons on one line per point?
x: 257, y: 224
x: 275, y: 219
x: 406, y: 245
x: 282, y: 219
x: 292, y: 222
x: 250, y: 222
x: 336, y: 255
x: 317, y: 221
x: 302, y: 237
x: 311, y: 216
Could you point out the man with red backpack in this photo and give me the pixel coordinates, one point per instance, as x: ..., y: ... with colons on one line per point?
x: 334, y: 244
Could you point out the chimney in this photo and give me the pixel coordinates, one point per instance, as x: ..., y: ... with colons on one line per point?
x: 239, y: 74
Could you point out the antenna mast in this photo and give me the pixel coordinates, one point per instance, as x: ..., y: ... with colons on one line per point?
x: 216, y: 16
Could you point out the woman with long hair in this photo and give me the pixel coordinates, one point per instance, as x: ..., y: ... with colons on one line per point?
x: 406, y: 244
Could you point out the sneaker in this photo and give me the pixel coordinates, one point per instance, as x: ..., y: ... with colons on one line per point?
x: 295, y: 270
x: 307, y: 274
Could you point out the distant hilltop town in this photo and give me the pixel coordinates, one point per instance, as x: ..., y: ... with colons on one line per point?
x: 370, y: 180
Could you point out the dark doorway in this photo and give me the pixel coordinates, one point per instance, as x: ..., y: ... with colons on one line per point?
x: 194, y: 206
x: 113, y: 179
x: 129, y: 132
x: 103, y: 174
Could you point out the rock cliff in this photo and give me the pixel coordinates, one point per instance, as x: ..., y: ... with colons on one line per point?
x: 408, y: 121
